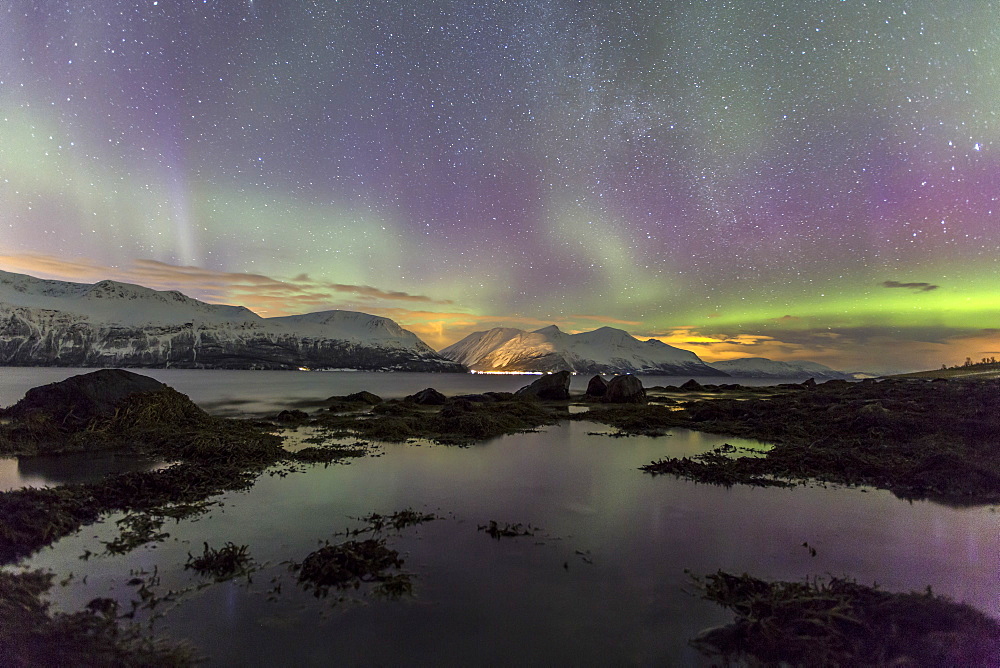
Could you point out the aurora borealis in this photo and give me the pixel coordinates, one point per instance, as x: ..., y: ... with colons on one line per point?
x: 799, y: 180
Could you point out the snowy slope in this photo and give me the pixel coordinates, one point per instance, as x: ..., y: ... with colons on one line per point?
x: 114, y: 302
x: 470, y: 349
x: 761, y: 367
x: 57, y: 323
x: 604, y: 350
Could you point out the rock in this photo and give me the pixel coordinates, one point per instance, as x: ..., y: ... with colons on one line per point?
x: 474, y: 398
x: 554, y: 386
x: 291, y: 416
x: 809, y: 384
x: 625, y: 389
x: 81, y: 399
x: 362, y: 397
x: 693, y: 386
x: 457, y: 408
x: 597, y: 387
x: 427, y: 397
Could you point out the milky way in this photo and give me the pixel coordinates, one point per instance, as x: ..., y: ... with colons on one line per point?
x: 813, y: 180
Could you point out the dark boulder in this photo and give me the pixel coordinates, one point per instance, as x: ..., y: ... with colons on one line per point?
x: 693, y: 386
x: 597, y: 387
x: 363, y: 397
x: 427, y: 397
x: 79, y: 400
x: 291, y: 416
x: 553, y: 386
x: 625, y: 389
x: 457, y: 407
x: 356, y: 398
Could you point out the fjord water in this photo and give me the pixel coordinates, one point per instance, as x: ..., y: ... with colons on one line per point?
x: 601, y: 581
x: 246, y: 392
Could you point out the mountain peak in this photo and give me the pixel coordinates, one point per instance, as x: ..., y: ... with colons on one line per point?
x: 762, y: 367
x: 109, y: 323
x: 603, y: 350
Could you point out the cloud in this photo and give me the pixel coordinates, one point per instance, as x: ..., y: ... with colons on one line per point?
x: 266, y: 295
x: 877, y: 349
x: 919, y: 287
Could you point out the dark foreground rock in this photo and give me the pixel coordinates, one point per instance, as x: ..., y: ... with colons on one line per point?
x: 427, y: 397
x: 363, y: 397
x: 553, y: 386
x: 625, y: 389
x: 81, y: 399
x: 212, y: 454
x: 597, y: 387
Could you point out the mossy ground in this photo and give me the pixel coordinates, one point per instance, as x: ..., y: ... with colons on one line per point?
x: 919, y: 439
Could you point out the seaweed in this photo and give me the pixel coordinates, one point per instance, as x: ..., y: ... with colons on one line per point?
x: 634, y: 419
x: 223, y: 563
x: 325, y: 454
x: 136, y: 530
x: 498, y: 531
x: 714, y: 468
x: 458, y: 422
x: 917, y: 439
x: 350, y: 564
x: 838, y: 622
x: 397, y: 521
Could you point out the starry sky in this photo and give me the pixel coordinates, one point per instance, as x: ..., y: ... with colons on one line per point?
x: 801, y: 179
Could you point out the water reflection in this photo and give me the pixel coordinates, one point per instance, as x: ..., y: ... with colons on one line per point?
x: 602, y: 582
x: 53, y: 470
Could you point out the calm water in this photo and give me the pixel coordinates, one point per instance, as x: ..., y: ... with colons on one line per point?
x: 601, y: 582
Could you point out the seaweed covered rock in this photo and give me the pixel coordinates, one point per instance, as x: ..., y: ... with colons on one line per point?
x: 291, y: 416
x: 842, y: 623
x: 427, y: 397
x: 363, y: 397
x: 692, y: 386
x: 80, y: 400
x: 597, y: 387
x: 348, y: 565
x: 625, y: 389
x: 553, y: 386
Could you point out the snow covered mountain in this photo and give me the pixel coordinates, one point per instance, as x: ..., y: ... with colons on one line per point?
x: 604, y: 350
x: 57, y: 323
x: 761, y: 367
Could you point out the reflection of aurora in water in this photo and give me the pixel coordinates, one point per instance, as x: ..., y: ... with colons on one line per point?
x: 602, y: 578
x: 761, y: 180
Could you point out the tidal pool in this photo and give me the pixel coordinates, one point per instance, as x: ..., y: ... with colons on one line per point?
x: 601, y: 581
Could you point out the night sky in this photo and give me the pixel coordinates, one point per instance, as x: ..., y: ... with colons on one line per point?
x: 800, y: 180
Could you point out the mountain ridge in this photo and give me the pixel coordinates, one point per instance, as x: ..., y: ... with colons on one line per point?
x: 762, y: 367
x: 603, y: 350
x: 108, y: 323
